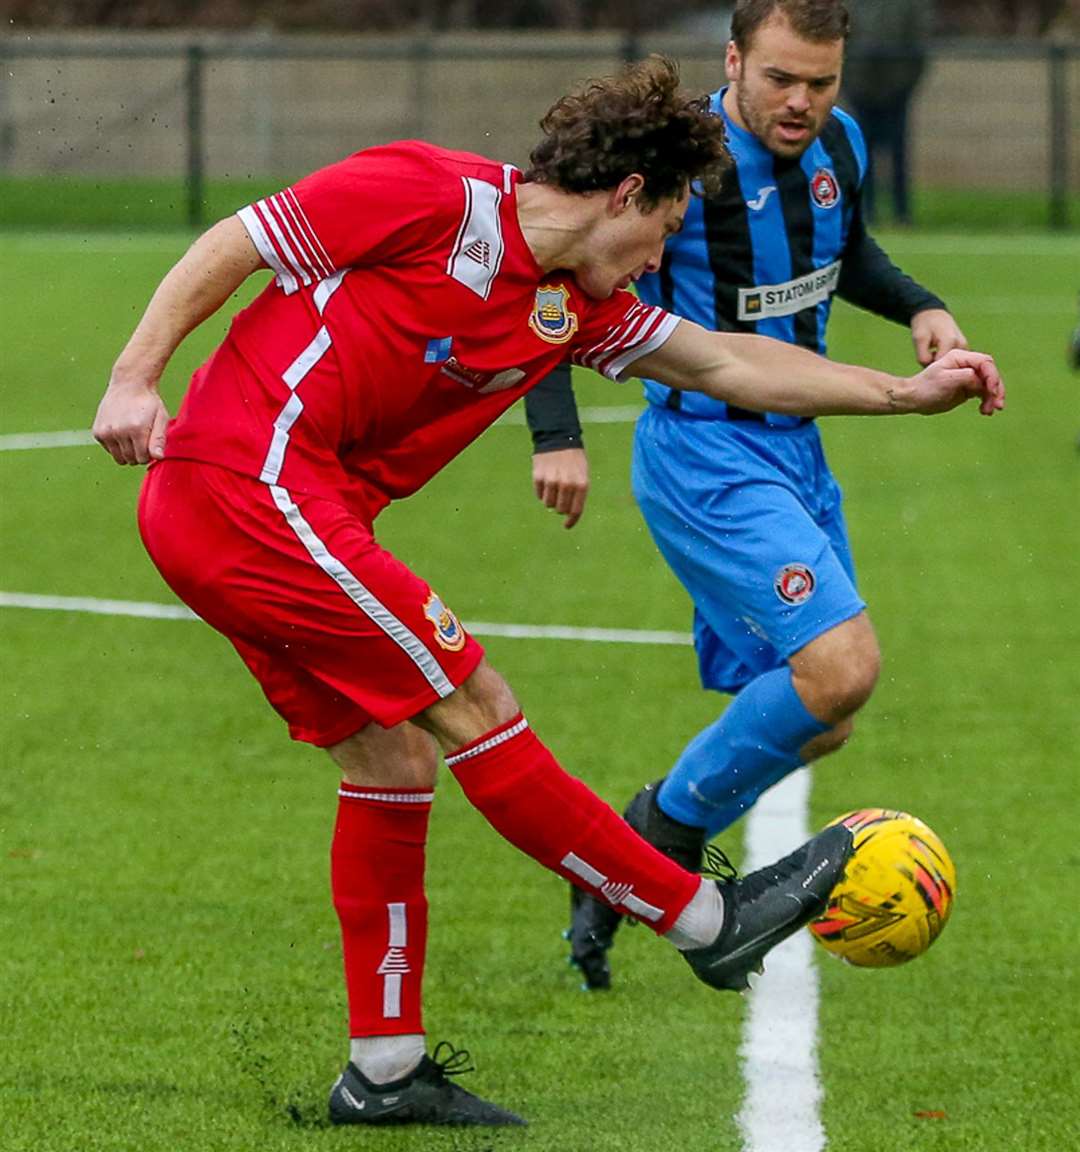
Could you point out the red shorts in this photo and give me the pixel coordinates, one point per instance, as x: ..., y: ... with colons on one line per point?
x: 336, y: 630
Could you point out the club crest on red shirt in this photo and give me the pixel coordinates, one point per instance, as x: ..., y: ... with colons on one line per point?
x: 794, y: 583
x: 448, y: 631
x: 551, y: 318
x: 824, y: 188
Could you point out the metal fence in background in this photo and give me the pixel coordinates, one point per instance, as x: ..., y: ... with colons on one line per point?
x: 988, y: 115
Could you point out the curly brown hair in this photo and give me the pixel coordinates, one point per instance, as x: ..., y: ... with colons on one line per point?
x: 637, y: 122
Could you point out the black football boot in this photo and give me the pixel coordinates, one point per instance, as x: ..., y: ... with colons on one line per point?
x: 764, y: 908
x: 425, y: 1096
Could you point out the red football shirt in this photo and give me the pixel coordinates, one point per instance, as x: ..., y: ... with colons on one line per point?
x: 407, y: 313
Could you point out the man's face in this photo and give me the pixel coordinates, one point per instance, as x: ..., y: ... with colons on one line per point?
x: 630, y: 244
x: 784, y: 86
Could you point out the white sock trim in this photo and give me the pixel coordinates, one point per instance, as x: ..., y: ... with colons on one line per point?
x: 699, y: 923
x: 386, y: 1058
x: 388, y: 797
x: 492, y: 742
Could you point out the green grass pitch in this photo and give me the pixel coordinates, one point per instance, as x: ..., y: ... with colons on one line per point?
x: 169, y: 962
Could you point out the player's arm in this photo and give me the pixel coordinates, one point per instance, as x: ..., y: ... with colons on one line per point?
x: 772, y: 376
x: 131, y: 418
x: 560, y: 468
x: 870, y: 280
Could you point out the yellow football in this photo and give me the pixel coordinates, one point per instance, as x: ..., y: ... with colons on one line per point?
x: 896, y: 893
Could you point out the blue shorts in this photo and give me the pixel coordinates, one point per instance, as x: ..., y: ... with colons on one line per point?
x: 749, y: 518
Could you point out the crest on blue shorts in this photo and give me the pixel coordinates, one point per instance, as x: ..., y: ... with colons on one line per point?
x: 794, y: 583
x: 551, y: 318
x: 448, y: 630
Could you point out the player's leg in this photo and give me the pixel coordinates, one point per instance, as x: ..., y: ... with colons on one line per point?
x: 377, y: 878
x: 767, y: 565
x: 724, y: 929
x: 226, y: 549
x: 834, y: 676
x: 752, y: 558
x: 519, y: 787
x: 377, y: 861
x: 777, y: 723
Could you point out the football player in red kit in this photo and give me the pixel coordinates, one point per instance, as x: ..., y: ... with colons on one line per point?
x: 418, y: 293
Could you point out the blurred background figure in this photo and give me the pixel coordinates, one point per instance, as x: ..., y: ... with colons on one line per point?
x: 885, y: 61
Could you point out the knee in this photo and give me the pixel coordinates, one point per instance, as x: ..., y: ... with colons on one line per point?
x: 399, y: 757
x: 486, y: 696
x: 483, y: 702
x: 851, y: 681
x: 838, y: 679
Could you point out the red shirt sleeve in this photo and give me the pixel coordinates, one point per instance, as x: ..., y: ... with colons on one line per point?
x: 367, y: 209
x: 615, y: 332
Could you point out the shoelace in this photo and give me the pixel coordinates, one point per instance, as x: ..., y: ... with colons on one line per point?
x: 754, y: 884
x: 715, y: 864
x: 455, y: 1062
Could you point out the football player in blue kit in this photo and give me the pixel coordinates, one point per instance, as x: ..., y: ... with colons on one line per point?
x: 743, y: 505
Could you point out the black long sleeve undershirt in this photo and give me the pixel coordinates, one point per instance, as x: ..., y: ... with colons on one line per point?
x: 870, y: 280
x: 551, y: 413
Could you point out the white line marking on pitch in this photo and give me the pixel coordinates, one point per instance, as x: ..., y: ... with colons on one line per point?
x: 781, y: 1107
x: 149, y: 610
x: 95, y: 607
x: 780, y: 1111
x: 25, y: 441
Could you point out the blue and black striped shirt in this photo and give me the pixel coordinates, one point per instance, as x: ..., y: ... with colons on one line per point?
x: 765, y: 255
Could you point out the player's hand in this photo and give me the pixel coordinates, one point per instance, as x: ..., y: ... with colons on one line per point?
x: 561, y: 481
x: 934, y: 332
x: 958, y: 376
x: 130, y: 423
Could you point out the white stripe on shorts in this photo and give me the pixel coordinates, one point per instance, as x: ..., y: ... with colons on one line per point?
x: 362, y: 597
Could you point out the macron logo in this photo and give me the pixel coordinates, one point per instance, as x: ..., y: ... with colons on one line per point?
x: 763, y: 195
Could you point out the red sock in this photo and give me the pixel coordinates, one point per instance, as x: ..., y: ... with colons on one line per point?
x: 527, y: 798
x: 377, y: 879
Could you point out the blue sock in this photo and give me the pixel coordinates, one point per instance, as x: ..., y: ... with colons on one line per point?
x: 726, y: 767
